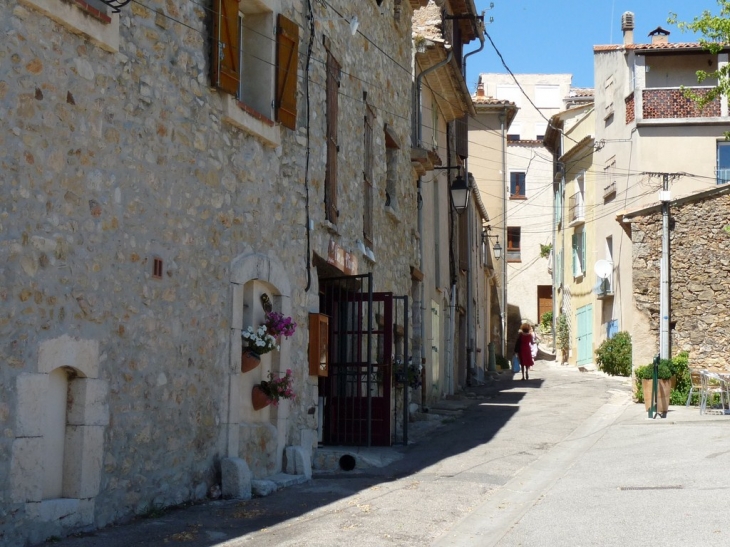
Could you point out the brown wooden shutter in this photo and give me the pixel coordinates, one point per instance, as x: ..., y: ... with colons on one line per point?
x: 225, y: 46
x: 330, y: 186
x: 287, y: 56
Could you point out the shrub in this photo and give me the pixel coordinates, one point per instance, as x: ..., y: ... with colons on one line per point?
x: 563, y: 336
x: 613, y: 356
x: 546, y: 321
x: 502, y: 362
x: 678, y: 367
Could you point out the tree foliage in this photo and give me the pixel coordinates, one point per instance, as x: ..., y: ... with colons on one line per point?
x: 715, y: 34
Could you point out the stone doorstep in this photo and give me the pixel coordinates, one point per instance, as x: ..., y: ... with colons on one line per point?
x: 327, y: 459
x: 269, y: 485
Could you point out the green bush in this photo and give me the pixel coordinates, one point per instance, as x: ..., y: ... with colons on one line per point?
x: 563, y: 336
x: 647, y: 371
x: 546, y: 321
x: 613, y: 356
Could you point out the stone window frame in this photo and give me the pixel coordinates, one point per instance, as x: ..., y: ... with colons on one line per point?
x: 86, y: 420
x: 83, y: 18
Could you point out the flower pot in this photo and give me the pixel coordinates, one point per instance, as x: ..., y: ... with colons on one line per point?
x: 249, y: 360
x: 665, y: 389
x: 259, y: 399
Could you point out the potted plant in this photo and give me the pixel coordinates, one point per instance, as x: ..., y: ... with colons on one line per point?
x: 644, y: 377
x: 264, y: 339
x: 271, y: 391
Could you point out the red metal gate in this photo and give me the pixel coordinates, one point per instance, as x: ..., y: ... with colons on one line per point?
x: 357, y: 392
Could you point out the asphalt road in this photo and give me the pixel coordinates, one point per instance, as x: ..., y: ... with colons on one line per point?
x: 562, y: 459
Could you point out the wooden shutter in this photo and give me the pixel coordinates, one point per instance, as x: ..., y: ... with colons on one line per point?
x: 225, y: 63
x: 330, y: 186
x: 367, y: 221
x: 287, y: 56
x: 583, y: 268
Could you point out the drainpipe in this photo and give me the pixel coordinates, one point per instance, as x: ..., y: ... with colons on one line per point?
x: 419, y: 133
x: 503, y: 123
x: 470, y: 323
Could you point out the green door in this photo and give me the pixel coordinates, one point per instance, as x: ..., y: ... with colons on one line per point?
x: 584, y: 319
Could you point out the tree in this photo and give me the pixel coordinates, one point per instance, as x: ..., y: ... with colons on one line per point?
x: 715, y: 31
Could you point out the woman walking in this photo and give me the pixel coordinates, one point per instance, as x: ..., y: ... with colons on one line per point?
x: 523, y: 348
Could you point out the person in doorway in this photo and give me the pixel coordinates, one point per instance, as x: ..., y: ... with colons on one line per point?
x: 525, y: 341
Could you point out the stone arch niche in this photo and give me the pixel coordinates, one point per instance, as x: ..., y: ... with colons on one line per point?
x: 62, y: 412
x: 256, y: 438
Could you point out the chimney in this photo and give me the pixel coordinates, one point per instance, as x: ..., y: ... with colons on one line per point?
x: 627, y: 26
x: 480, y: 88
x: 659, y: 36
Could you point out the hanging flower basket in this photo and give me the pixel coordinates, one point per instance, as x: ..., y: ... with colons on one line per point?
x: 259, y: 398
x: 249, y: 360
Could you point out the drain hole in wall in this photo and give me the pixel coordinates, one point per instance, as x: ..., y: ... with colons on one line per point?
x: 347, y: 463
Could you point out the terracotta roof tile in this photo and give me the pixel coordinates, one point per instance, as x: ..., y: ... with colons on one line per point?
x: 581, y: 92
x: 646, y: 47
x: 491, y: 101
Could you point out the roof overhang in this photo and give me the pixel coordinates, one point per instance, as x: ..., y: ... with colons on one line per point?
x: 446, y: 82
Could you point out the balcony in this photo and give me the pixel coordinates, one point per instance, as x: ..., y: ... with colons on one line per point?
x: 670, y: 103
x: 609, y: 190
x: 576, y: 209
x: 603, y: 287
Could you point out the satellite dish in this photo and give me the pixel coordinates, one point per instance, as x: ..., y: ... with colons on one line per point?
x: 603, y: 268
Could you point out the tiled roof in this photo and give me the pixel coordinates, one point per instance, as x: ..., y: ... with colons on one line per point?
x: 581, y: 92
x: 490, y: 101
x: 648, y: 47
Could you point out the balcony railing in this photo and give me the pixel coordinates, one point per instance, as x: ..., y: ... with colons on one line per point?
x: 576, y: 208
x: 723, y: 176
x: 671, y: 103
x: 604, y: 286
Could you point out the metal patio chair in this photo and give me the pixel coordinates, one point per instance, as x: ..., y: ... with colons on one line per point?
x: 712, y: 384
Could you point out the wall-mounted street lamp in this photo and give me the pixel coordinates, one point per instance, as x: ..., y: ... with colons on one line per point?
x: 496, y: 248
x: 459, y: 194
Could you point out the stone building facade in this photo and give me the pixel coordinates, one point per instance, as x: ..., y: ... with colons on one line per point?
x: 699, y: 278
x: 145, y: 211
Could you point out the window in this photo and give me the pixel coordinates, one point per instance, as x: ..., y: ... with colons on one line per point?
x: 547, y: 96
x: 90, y: 18
x: 514, y: 132
x: 540, y: 130
x: 579, y: 253
x: 513, y: 244
x: 517, y: 184
x: 558, y: 207
x: 332, y: 106
x: 510, y: 93
x: 577, y: 202
x: 367, y: 220
x: 241, y: 32
x: 723, y: 162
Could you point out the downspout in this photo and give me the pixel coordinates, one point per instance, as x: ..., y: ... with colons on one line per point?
x: 503, y: 123
x: 419, y: 138
x: 470, y: 323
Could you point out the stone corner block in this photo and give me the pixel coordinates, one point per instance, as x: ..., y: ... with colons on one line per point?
x: 82, y: 459
x: 236, y: 477
x: 88, y: 398
x: 26, y: 470
x: 298, y: 461
x: 263, y: 487
x: 32, y: 389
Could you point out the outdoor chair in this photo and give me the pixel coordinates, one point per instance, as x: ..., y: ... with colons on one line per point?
x: 712, y: 384
x: 696, y: 377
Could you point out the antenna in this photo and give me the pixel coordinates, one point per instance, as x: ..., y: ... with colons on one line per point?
x: 603, y: 268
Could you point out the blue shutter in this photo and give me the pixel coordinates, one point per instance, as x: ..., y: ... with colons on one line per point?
x: 583, y: 268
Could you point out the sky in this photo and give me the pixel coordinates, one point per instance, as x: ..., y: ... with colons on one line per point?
x: 557, y: 36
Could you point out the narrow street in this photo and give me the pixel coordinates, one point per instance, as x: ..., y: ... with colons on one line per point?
x: 524, y: 461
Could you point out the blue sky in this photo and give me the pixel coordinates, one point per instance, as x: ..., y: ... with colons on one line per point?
x: 557, y: 36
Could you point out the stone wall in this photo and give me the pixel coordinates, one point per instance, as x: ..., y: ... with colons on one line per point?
x: 110, y: 160
x: 700, y: 278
